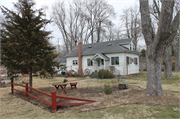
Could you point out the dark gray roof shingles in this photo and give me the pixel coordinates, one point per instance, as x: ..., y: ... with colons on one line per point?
x: 61, y: 59
x: 102, y: 47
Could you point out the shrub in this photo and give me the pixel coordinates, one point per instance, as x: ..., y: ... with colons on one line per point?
x: 63, y: 73
x: 106, y: 73
x: 107, y: 88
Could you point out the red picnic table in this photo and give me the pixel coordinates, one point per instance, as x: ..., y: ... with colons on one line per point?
x: 62, y: 85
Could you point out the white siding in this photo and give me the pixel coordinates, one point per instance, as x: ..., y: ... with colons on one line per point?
x: 132, y: 68
x: 70, y: 65
x: 85, y: 65
x: 121, y: 69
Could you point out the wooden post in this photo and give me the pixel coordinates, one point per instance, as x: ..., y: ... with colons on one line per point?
x: 0, y: 82
x: 27, y: 91
x: 54, y: 106
x: 12, y: 86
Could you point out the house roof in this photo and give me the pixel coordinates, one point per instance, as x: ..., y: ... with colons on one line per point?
x: 61, y: 59
x: 102, y: 47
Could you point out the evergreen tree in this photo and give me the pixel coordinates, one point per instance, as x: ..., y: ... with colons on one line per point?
x: 24, y: 41
x: 143, y: 53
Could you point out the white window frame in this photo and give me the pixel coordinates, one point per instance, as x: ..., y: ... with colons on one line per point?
x: 91, y: 62
x: 135, y: 60
x: 115, y: 60
x: 75, y: 62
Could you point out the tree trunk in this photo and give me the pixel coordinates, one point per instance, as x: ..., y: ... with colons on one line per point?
x: 168, y: 62
x: 98, y: 31
x: 154, y: 73
x: 92, y: 37
x: 177, y: 55
x: 157, y: 43
x: 30, y: 77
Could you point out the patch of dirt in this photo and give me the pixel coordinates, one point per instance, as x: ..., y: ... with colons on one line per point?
x: 132, y: 95
x: 5, y: 85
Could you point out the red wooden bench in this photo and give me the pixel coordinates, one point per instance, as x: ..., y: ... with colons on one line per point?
x: 73, y: 84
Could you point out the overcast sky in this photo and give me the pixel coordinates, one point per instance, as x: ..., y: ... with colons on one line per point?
x: 118, y: 5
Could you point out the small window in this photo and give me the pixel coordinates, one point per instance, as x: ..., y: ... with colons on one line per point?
x: 109, y: 44
x: 89, y: 62
x: 135, y: 61
x: 75, y: 62
x: 90, y: 46
x: 130, y: 46
x: 114, y: 60
x: 127, y: 60
x: 102, y: 61
x: 133, y: 47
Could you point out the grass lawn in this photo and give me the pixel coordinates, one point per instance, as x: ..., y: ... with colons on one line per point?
x: 124, y: 106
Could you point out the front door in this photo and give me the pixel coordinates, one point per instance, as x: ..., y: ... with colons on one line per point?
x: 99, y: 63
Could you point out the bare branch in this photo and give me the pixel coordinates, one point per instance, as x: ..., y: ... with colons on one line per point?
x: 157, y: 8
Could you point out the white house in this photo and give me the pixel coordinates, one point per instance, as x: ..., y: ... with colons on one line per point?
x: 118, y: 53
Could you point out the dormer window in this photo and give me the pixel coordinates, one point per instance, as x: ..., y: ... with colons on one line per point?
x: 130, y: 46
x: 133, y: 48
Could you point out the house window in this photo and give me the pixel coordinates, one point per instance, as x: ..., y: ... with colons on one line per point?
x: 130, y: 46
x: 102, y: 61
x: 89, y: 62
x: 135, y: 61
x: 75, y: 62
x: 127, y: 60
x: 134, y: 47
x: 114, y: 60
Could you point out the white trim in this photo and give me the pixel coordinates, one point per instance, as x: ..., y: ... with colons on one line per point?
x: 97, y: 55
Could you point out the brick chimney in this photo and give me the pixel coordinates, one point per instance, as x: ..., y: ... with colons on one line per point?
x: 80, y: 72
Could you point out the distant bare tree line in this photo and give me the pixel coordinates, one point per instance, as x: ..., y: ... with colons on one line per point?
x: 82, y: 20
x: 90, y: 21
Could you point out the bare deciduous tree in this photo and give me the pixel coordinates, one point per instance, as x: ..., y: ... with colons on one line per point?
x: 109, y: 32
x: 82, y: 20
x: 155, y: 11
x: 156, y: 44
x: 59, y: 17
x: 132, y: 22
x: 97, y: 13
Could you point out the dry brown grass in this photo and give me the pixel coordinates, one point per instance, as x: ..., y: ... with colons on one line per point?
x: 87, y: 89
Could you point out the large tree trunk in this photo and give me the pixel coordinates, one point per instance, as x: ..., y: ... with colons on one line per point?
x: 154, y: 72
x: 98, y: 28
x: 168, y: 62
x: 177, y: 55
x: 156, y: 44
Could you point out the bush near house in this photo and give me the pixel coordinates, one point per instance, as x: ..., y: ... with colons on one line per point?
x: 62, y: 73
x: 107, y: 88
x: 105, y: 73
